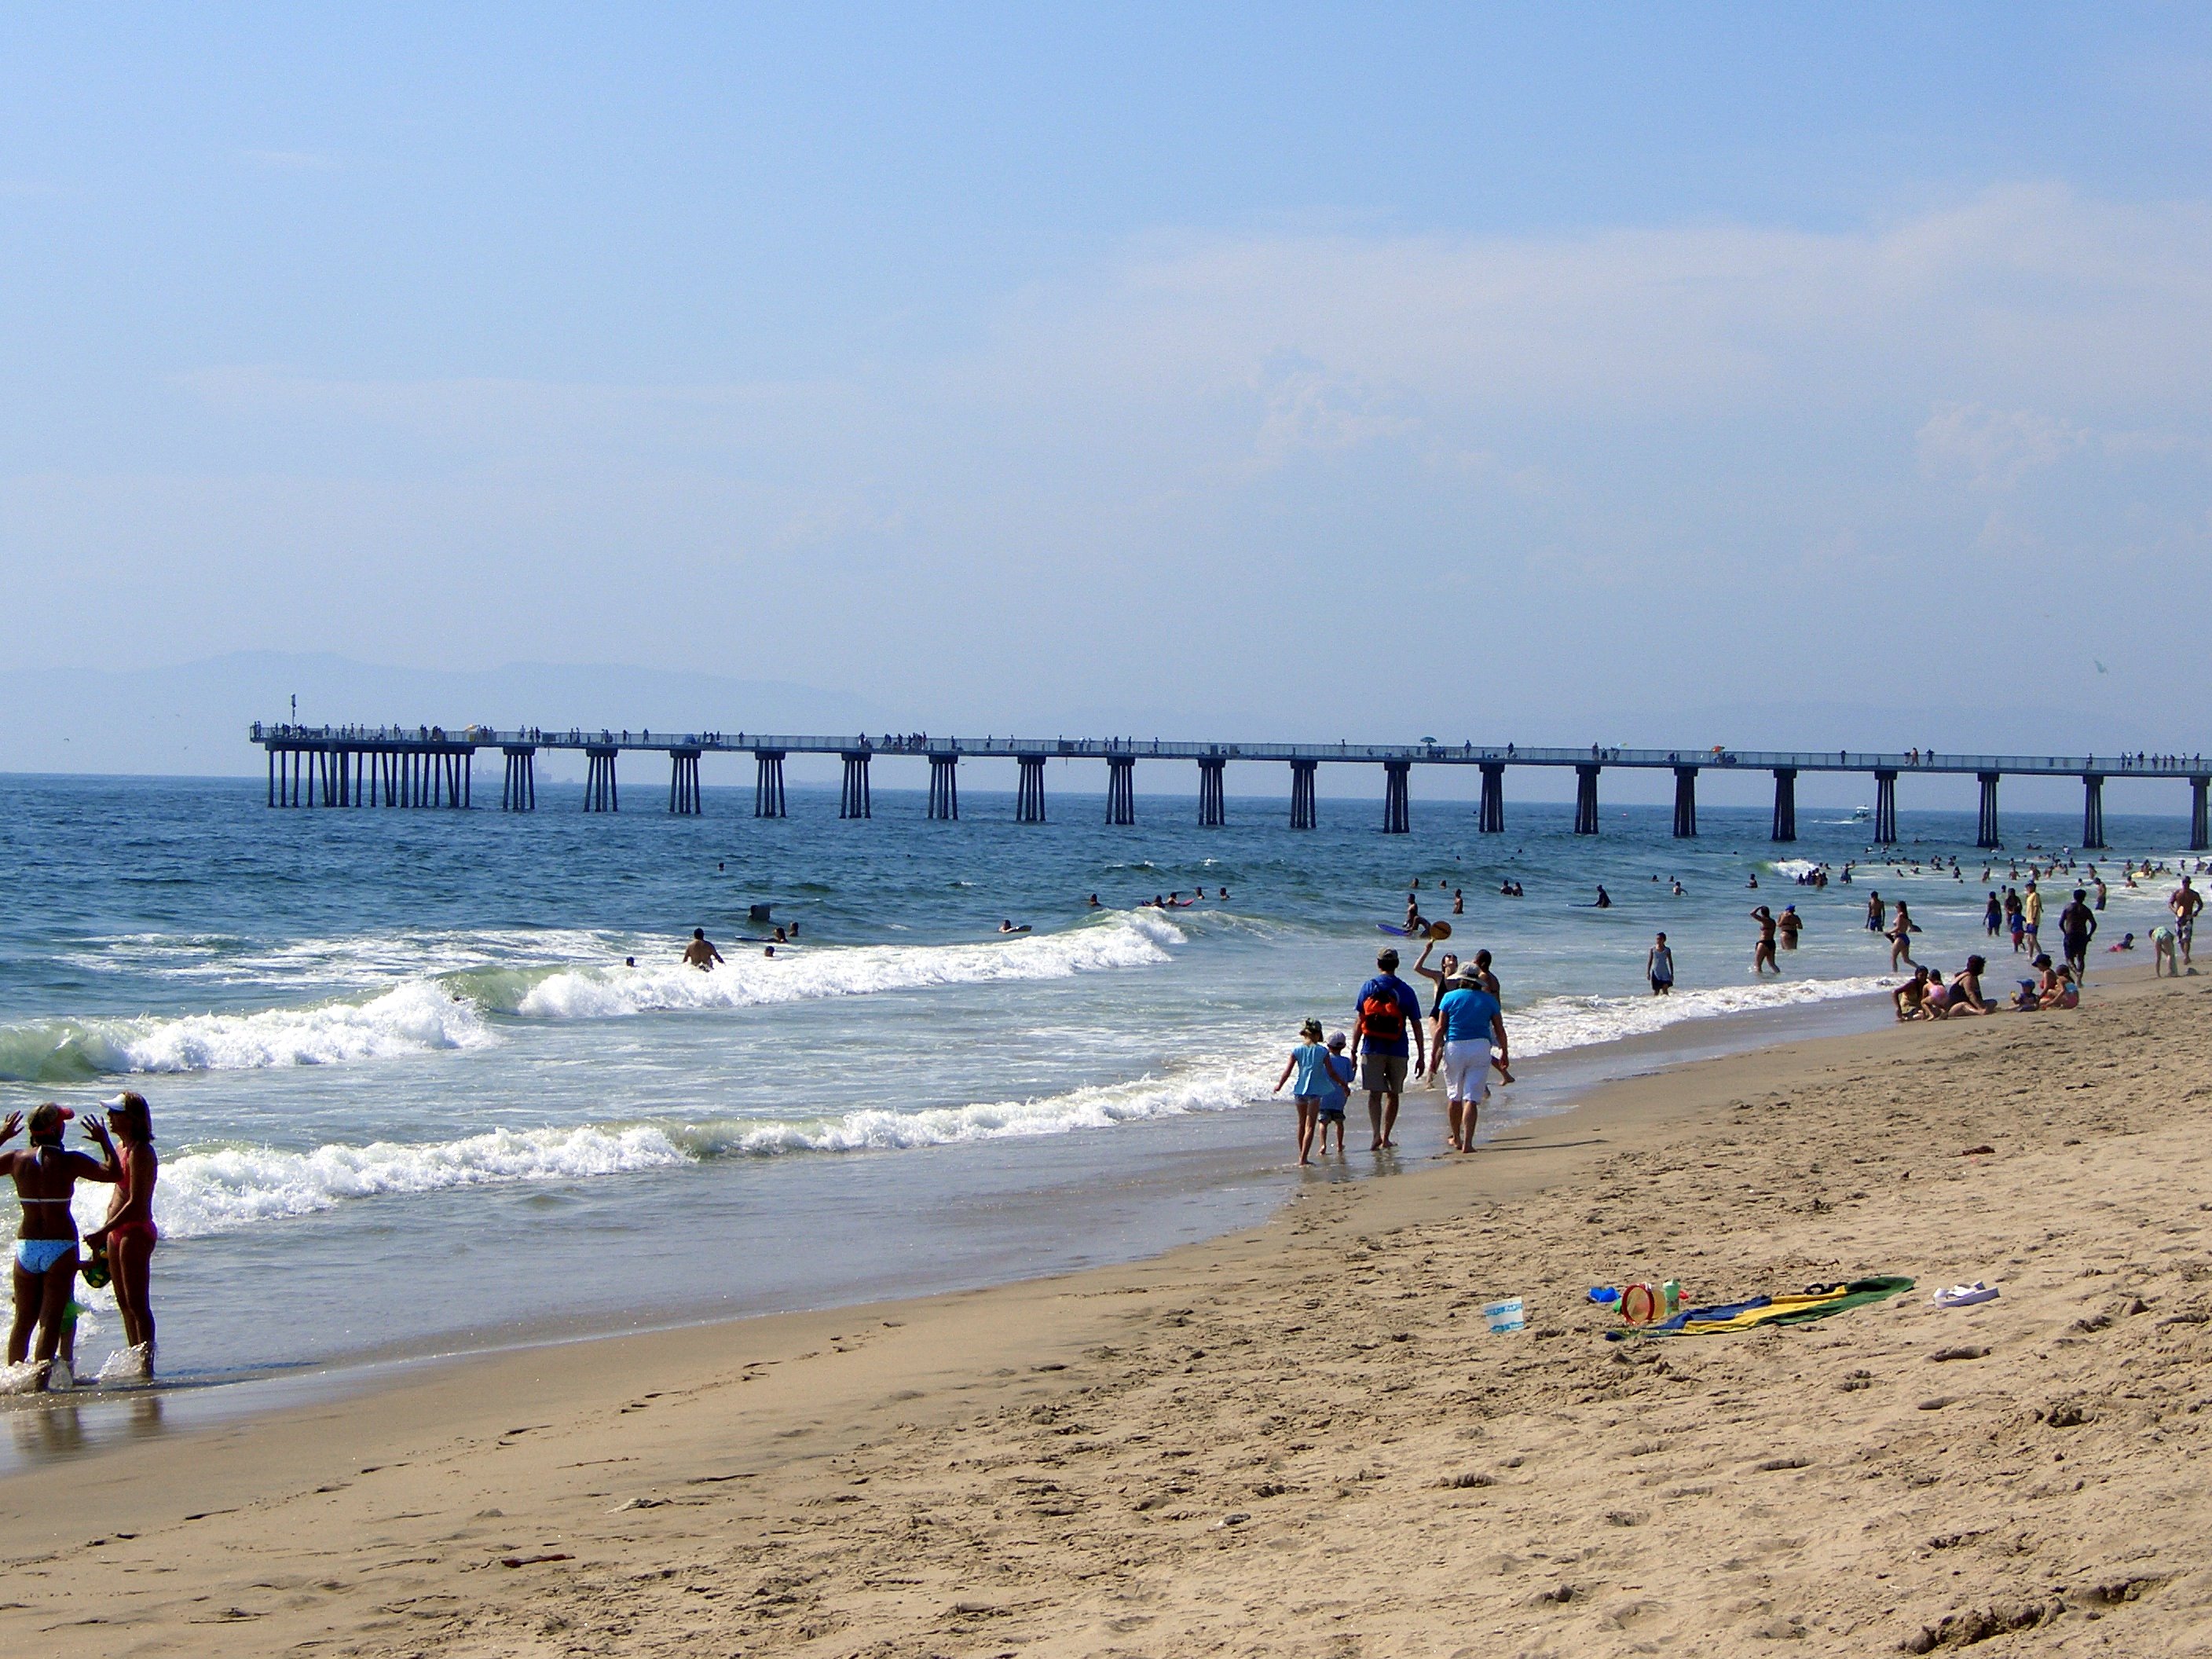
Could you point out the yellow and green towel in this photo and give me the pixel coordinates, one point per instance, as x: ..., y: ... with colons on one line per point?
x: 1816, y: 1302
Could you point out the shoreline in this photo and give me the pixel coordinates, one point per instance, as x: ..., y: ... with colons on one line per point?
x: 1554, y: 1083
x: 1176, y: 1443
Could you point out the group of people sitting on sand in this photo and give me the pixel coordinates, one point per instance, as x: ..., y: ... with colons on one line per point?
x: 47, y: 1264
x: 1927, y: 996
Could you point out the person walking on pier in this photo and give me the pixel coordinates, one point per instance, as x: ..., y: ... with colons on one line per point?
x: 1387, y: 1014
x: 701, y: 953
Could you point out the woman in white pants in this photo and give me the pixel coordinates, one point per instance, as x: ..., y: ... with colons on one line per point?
x: 1467, y: 1021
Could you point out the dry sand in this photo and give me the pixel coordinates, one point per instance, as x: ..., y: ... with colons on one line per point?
x: 1302, y: 1440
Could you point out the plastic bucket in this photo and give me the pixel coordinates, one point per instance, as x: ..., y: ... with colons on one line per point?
x: 1502, y: 1316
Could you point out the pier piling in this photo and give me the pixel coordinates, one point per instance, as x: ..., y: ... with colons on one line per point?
x: 1785, y: 804
x: 1121, y: 789
x: 1586, y: 800
x: 1986, y: 836
x: 853, y: 800
x: 683, y: 783
x: 945, y: 787
x: 2093, y: 811
x: 1490, y: 817
x: 600, y: 794
x: 1884, y: 807
x: 519, y: 793
x: 1303, y: 815
x: 1213, y: 794
x: 767, y: 783
x: 2199, y: 841
x: 1397, y: 797
x: 1685, y: 803
x: 1029, y: 798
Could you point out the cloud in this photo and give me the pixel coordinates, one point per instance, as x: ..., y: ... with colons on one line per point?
x: 1994, y: 448
x: 1614, y: 441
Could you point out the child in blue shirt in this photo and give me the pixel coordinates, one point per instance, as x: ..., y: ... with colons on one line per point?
x: 1333, y: 1102
x: 1317, y: 1079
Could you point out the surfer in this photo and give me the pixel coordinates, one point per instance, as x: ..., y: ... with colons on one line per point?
x: 45, y: 1244
x: 1604, y: 900
x: 701, y: 953
x: 124, y: 1241
x: 1413, y: 922
x: 1008, y: 927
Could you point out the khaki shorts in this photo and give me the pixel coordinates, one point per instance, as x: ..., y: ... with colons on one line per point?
x: 1383, y: 1075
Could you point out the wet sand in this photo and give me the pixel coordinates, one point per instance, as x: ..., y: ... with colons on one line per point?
x: 1301, y: 1439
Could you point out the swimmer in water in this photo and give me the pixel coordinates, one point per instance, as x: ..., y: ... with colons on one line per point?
x: 1094, y: 902
x: 701, y: 953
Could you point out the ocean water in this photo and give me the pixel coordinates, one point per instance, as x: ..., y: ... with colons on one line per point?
x: 410, y: 1097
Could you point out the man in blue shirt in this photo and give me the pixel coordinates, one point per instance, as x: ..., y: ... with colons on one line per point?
x: 1388, y: 1015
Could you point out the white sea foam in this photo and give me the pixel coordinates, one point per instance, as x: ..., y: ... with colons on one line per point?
x: 747, y: 980
x: 220, y: 1190
x: 416, y: 1017
x: 1793, y: 868
x: 223, y: 1189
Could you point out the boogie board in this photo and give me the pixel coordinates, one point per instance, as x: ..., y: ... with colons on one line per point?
x: 1431, y: 930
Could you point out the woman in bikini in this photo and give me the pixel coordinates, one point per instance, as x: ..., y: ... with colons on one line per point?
x: 45, y: 1244
x: 1900, y: 938
x: 127, y: 1237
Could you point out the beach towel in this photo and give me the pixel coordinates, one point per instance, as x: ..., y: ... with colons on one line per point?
x: 1817, y: 1302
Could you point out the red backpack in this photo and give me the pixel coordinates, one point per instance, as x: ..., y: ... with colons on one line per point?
x: 1382, y: 1018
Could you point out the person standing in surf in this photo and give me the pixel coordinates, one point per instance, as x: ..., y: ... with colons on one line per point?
x: 126, y: 1239
x: 1659, y: 967
x: 45, y: 1176
x: 1468, y: 1022
x: 1388, y: 1015
x: 1762, y: 954
x: 1310, y: 1061
x: 701, y: 953
x: 1900, y: 938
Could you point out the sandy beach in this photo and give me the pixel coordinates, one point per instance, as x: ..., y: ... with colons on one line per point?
x: 1303, y: 1439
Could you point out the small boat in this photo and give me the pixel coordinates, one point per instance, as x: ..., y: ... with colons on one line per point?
x: 1862, y: 815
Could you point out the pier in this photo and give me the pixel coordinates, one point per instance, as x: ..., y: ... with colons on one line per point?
x: 430, y: 766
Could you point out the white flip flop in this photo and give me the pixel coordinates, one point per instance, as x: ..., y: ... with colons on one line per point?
x: 1964, y: 1296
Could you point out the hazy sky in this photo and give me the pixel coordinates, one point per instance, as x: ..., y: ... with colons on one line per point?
x: 1269, y: 370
